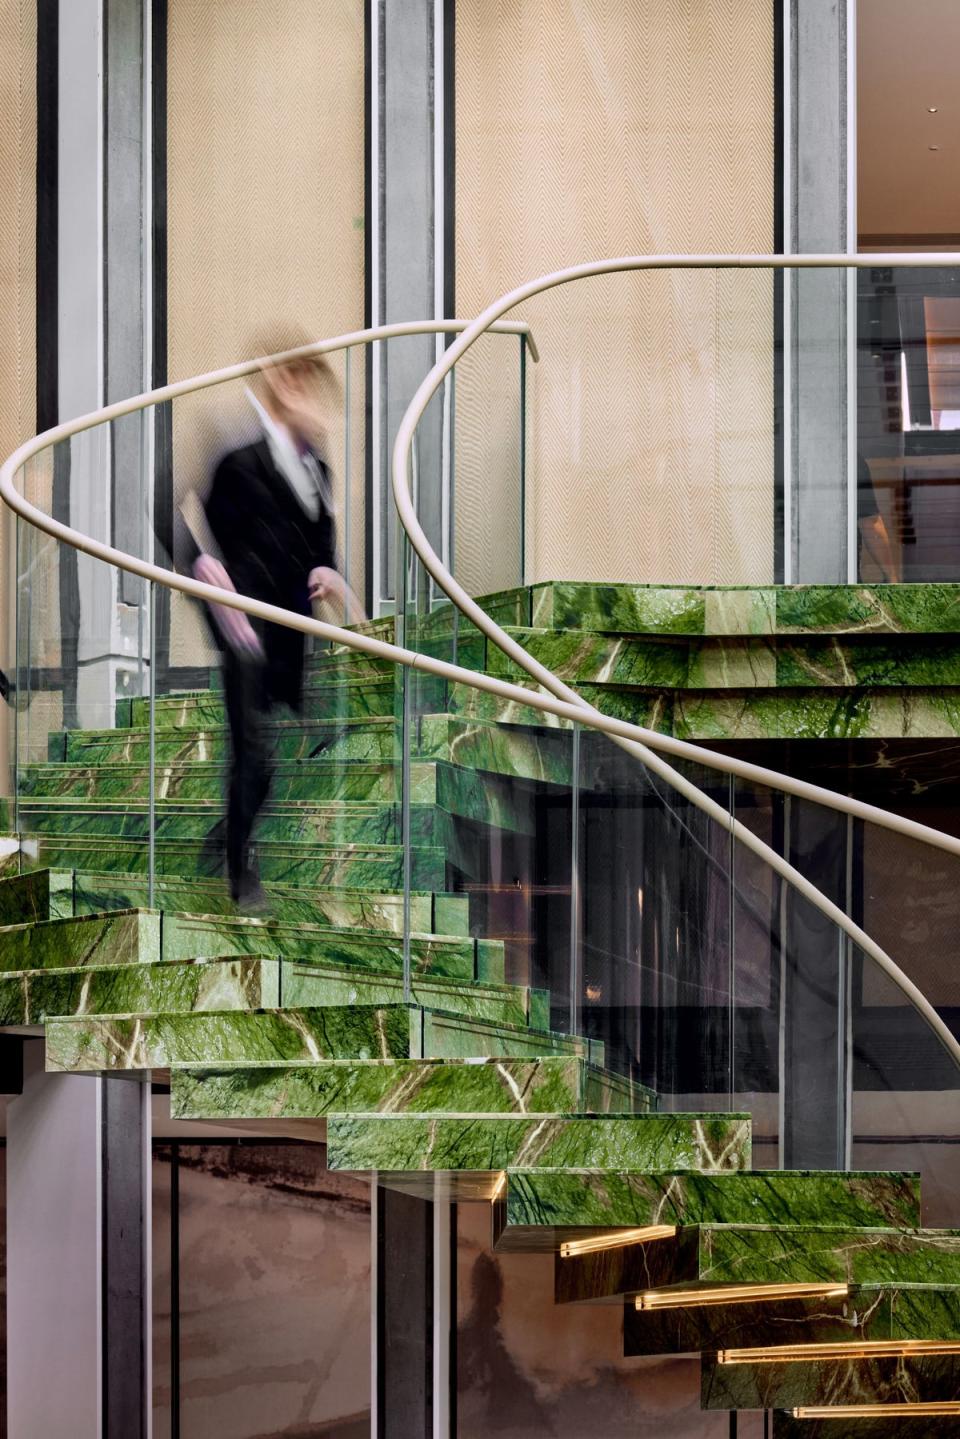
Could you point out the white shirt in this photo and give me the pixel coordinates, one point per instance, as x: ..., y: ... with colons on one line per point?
x: 302, y: 472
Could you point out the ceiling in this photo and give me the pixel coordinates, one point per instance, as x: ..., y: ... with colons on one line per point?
x: 907, y: 62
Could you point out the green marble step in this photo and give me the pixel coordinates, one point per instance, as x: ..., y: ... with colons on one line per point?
x: 708, y: 1255
x: 889, y: 1427
x: 463, y: 1161
x: 358, y: 1030
x: 746, y: 609
x: 868, y: 1312
x: 325, y: 697
x: 125, y: 937
x: 552, y: 1085
x: 43, y: 894
x: 541, y: 1209
x: 293, y: 780
x: 436, y: 913
x: 188, y: 936
x: 30, y: 997
x: 371, y: 739
x: 916, y: 1380
x: 543, y: 754
x: 377, y: 868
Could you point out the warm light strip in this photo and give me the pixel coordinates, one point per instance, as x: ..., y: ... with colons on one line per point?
x: 737, y: 1294
x: 878, y: 1411
x: 499, y: 1188
x: 616, y: 1241
x: 861, y: 1349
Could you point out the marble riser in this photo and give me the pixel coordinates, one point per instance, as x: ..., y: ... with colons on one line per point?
x: 920, y: 1380
x: 868, y: 1312
x: 403, y: 1149
x: 197, y: 935
x: 369, y: 740
x: 304, y: 781
x: 551, y: 1085
x: 540, y: 1210
x: 123, y: 938
x: 349, y: 1030
x: 786, y: 1427
x: 708, y: 1255
x: 375, y: 868
x: 58, y: 894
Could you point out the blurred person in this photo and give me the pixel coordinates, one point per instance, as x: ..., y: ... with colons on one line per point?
x: 270, y: 513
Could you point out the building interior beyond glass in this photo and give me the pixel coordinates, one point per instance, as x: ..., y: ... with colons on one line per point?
x: 572, y: 1046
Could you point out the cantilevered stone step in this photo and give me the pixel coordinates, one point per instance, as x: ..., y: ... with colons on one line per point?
x: 922, y: 1379
x: 345, y: 1031
x: 40, y: 895
x: 126, y: 937
x: 541, y: 1209
x: 867, y: 1312
x: 434, y: 1156
x: 551, y: 1085
x: 356, y: 867
x: 476, y: 744
x: 193, y: 935
x: 30, y: 998
x: 316, y: 781
x: 325, y: 696
x: 785, y: 1426
x: 437, y: 913
x: 710, y: 1255
x: 369, y: 740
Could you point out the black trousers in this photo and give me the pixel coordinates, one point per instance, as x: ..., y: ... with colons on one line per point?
x: 248, y: 703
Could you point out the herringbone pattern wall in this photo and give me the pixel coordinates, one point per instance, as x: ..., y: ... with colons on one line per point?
x: 590, y: 128
x: 18, y: 157
x: 265, y: 207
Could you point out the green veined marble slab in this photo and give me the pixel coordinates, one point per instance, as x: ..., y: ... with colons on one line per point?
x: 923, y: 1379
x: 323, y: 698
x: 154, y: 1042
x: 551, y: 1085
x: 429, y: 913
x: 406, y: 1150
x: 192, y: 935
x: 340, y: 1031
x: 30, y: 998
x: 540, y: 1209
x: 374, y: 867
x: 711, y: 1255
x: 786, y: 1427
x: 40, y: 895
x: 544, y: 754
x: 370, y: 739
x: 127, y: 937
x: 315, y: 781
x: 867, y: 1312
x: 312, y: 984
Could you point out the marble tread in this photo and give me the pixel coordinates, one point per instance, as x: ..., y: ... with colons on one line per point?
x: 540, y: 1209
x: 404, y: 1149
x: 125, y: 937
x: 917, y: 1380
x: 719, y: 1254
x: 551, y: 1085
x: 868, y: 1312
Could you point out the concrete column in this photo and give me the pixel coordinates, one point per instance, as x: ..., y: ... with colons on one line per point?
x: 814, y: 1080
x: 821, y: 318
x: 77, y: 1219
x: 99, y: 484
x: 412, y: 278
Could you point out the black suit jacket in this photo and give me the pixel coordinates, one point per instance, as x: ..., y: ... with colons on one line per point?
x: 269, y: 545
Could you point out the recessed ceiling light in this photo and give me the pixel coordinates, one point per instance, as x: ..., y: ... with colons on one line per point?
x: 933, y: 147
x: 932, y: 109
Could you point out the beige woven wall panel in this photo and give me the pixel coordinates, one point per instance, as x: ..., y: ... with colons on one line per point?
x: 586, y: 129
x: 265, y: 213
x: 18, y: 161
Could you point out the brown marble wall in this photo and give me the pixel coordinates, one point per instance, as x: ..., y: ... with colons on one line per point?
x: 274, y: 1295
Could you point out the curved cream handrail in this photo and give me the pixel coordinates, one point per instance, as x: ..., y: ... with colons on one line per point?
x: 575, y: 709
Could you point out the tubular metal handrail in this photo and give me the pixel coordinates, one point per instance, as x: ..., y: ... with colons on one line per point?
x: 562, y: 702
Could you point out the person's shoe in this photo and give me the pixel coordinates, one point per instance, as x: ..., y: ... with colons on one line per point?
x: 251, y: 897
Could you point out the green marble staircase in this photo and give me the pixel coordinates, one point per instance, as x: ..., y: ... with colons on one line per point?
x: 300, y: 1024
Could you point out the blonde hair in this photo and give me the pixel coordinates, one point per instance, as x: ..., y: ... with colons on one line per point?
x: 278, y: 339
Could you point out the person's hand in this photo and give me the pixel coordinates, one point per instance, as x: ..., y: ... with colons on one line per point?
x: 234, y: 625
x: 324, y: 583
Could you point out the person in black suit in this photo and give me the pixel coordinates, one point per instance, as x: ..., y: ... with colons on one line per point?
x: 270, y: 513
